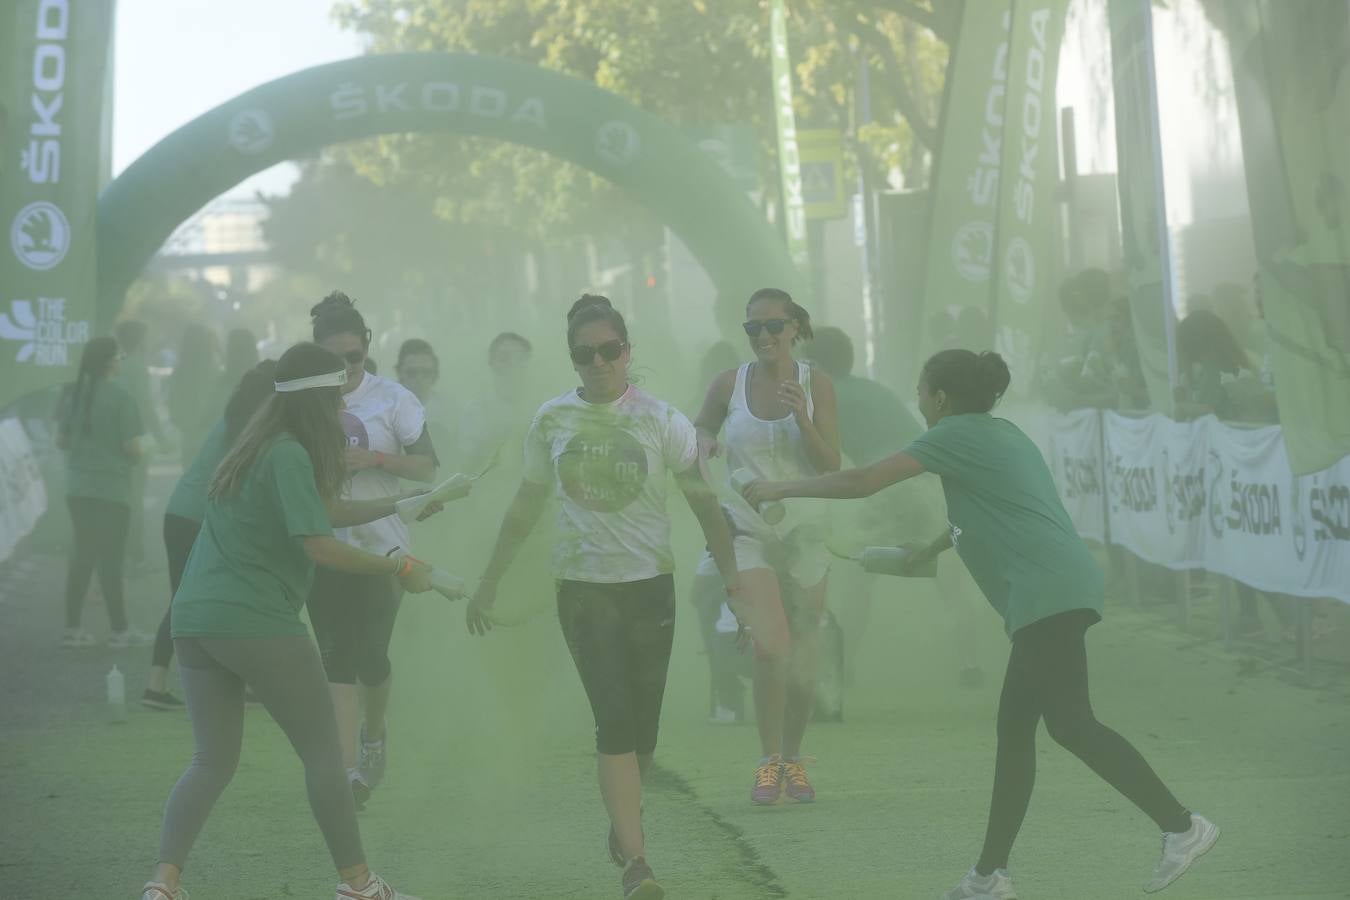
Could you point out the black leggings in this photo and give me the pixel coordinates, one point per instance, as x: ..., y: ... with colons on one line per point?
x: 620, y: 637
x: 1047, y: 678
x: 179, y: 536
x: 353, y: 618
x: 100, y: 541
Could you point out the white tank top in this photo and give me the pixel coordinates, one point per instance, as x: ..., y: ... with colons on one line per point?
x: 772, y: 449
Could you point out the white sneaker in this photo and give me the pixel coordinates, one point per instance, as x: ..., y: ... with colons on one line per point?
x: 75, y: 639
x: 1180, y: 850
x: 377, y: 889
x: 158, y: 890
x: 121, y: 640
x: 723, y: 716
x: 995, y: 886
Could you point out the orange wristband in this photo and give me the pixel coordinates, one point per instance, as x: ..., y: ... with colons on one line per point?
x: 405, y: 567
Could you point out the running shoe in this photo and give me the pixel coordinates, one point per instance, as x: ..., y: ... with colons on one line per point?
x: 1181, y: 850
x: 768, y: 781
x: 75, y: 639
x: 376, y: 889
x: 796, y: 784
x: 995, y: 886
x: 121, y: 640
x: 158, y: 890
x: 360, y: 790
x: 372, y: 761
x: 639, y: 883
x: 162, y: 701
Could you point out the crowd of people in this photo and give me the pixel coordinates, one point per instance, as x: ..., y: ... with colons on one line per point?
x: 290, y: 497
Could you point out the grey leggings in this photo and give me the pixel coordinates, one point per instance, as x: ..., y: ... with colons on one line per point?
x: 286, y: 675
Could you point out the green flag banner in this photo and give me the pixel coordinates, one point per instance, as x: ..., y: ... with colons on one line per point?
x: 789, y: 157
x: 1143, y: 212
x: 1026, y: 232
x: 1293, y: 92
x: 965, y: 192
x: 53, y: 63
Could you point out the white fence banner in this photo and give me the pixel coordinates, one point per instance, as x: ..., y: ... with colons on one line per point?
x: 1205, y: 495
x: 23, y: 498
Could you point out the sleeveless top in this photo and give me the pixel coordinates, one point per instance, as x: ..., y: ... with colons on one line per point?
x: 772, y: 449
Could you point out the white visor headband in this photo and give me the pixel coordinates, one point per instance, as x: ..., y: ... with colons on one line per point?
x: 328, y: 379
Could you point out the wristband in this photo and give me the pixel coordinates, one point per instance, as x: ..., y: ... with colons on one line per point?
x: 404, y: 567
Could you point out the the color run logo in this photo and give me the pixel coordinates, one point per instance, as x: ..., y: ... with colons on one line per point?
x: 43, y: 335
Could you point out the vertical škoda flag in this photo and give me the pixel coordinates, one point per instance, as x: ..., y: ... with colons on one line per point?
x: 789, y: 157
x: 969, y: 159
x: 53, y: 62
x: 1026, y: 230
x: 1293, y: 93
x: 1143, y: 211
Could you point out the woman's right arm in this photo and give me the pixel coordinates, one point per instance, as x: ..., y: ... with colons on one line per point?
x: 714, y: 413
x: 327, y: 551
x: 521, y: 517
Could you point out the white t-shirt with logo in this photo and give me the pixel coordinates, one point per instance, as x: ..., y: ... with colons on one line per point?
x: 608, y: 464
x: 384, y: 417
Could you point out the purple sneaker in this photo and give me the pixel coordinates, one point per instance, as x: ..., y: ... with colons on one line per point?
x: 797, y: 785
x: 639, y: 883
x: 768, y: 781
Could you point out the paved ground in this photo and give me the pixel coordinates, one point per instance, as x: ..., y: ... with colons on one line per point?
x: 491, y: 792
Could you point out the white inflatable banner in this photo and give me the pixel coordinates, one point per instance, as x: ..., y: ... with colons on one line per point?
x: 23, y: 499
x: 1206, y: 495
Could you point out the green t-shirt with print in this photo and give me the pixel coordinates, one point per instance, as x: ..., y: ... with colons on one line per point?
x: 188, y: 500
x: 248, y: 575
x: 97, y: 428
x: 1007, y: 521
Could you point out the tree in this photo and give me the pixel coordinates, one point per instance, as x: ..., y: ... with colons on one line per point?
x: 692, y: 62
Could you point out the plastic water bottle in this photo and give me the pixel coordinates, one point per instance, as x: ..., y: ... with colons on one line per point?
x: 117, y: 695
x: 772, y: 512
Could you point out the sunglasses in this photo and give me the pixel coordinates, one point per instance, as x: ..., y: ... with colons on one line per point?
x: 354, y: 357
x: 774, y: 326
x: 583, y: 354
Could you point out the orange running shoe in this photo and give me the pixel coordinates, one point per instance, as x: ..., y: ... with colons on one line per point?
x: 768, y: 781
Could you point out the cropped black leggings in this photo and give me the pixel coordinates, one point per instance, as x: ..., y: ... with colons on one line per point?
x: 620, y: 637
x: 179, y: 535
x: 1047, y: 679
x: 100, y: 543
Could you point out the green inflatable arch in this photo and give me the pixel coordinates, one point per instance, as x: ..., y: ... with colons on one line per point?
x: 458, y: 93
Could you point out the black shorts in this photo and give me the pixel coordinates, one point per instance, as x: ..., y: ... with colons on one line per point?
x: 353, y: 618
x: 620, y: 637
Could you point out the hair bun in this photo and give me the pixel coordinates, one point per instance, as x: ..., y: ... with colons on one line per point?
x: 337, y: 301
x: 586, y: 302
x: 993, y: 373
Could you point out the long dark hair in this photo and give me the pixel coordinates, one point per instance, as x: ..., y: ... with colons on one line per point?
x: 257, y: 384
x: 95, y: 363
x: 336, y: 314
x: 1203, y: 337
x: 310, y: 416
x: 973, y: 382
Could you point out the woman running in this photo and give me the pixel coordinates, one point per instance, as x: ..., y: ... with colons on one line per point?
x: 274, y: 501
x: 781, y: 423
x: 1009, y: 527
x: 187, y: 506
x: 604, y: 449
x: 353, y: 615
x: 101, y: 431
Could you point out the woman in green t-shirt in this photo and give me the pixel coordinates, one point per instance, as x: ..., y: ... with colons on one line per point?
x: 1009, y: 527
x: 273, y: 504
x: 99, y: 428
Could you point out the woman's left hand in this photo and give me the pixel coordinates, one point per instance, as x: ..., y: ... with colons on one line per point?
x: 760, y: 491
x: 791, y: 395
x: 359, y: 458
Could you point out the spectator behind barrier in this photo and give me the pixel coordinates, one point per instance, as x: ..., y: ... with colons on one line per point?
x: 1216, y: 374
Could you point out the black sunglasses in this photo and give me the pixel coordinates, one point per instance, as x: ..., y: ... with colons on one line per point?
x: 354, y: 357
x: 583, y: 354
x: 775, y: 326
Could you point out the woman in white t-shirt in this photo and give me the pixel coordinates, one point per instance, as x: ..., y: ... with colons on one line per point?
x: 353, y: 615
x: 780, y: 417
x: 605, y: 449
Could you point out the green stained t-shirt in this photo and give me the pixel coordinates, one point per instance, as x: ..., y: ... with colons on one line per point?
x: 1007, y: 521
x: 248, y: 575
x: 97, y: 464
x: 188, y: 500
